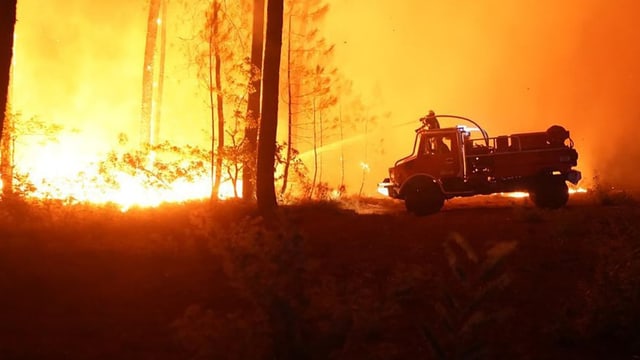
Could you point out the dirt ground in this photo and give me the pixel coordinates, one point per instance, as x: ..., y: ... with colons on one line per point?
x: 489, y: 277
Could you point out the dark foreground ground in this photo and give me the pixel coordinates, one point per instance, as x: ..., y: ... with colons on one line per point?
x: 488, y: 278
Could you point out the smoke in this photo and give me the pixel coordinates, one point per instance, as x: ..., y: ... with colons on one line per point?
x: 512, y: 66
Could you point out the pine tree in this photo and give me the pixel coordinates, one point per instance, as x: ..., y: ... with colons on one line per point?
x: 148, y: 72
x: 7, y: 26
x: 221, y: 60
x: 253, y: 103
x: 265, y: 186
x: 308, y: 84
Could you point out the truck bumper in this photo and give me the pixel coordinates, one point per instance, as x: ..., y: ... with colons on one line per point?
x: 574, y: 176
x: 387, y: 188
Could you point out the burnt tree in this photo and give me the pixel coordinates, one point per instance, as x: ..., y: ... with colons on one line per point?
x: 157, y: 109
x: 253, y: 104
x: 265, y: 187
x: 148, y: 73
x: 7, y: 25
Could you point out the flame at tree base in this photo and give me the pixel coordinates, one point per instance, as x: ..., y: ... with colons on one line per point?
x: 127, y: 191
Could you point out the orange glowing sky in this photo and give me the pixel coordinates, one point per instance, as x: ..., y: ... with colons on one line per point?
x: 511, y: 65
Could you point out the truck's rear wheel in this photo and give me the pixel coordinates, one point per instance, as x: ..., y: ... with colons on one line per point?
x: 549, y: 192
x: 423, y: 198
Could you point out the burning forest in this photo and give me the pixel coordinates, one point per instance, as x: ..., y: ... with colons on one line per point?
x: 195, y: 179
x: 130, y: 80
x: 118, y: 108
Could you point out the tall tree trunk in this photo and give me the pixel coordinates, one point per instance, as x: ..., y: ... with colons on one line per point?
x: 7, y: 26
x: 219, y: 97
x: 6, y: 151
x: 211, y: 87
x: 148, y: 72
x: 341, y: 151
x: 160, y: 88
x: 321, y: 145
x: 287, y: 162
x: 265, y: 187
x: 253, y: 103
x: 315, y: 152
x: 366, y: 153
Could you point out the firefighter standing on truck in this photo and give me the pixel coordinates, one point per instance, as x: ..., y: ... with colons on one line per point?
x: 430, y: 121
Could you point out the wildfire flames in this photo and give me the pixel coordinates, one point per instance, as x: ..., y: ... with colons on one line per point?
x: 126, y: 189
x: 85, y: 73
x: 131, y: 191
x: 522, y: 194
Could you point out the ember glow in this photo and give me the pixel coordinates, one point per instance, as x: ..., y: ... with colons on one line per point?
x: 522, y: 194
x: 85, y: 74
x: 129, y: 189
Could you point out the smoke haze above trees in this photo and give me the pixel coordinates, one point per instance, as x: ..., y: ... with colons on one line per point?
x: 512, y: 66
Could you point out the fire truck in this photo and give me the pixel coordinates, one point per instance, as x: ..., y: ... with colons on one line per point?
x: 449, y: 162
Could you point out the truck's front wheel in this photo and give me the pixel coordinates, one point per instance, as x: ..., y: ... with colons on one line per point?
x: 423, y: 198
x: 549, y: 192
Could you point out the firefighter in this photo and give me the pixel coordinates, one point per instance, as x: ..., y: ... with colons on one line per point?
x: 430, y: 121
x: 441, y: 146
x: 437, y: 145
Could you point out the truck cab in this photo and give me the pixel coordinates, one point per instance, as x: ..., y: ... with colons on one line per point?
x: 437, y: 154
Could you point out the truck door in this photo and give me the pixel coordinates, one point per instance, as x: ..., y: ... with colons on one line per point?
x: 440, y: 154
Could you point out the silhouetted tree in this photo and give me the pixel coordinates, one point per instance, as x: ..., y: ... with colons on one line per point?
x: 309, y: 82
x: 221, y: 57
x: 265, y: 186
x: 6, y: 151
x: 148, y: 71
x: 7, y: 26
x: 285, y: 175
x: 253, y: 104
x: 160, y: 88
x: 217, y: 58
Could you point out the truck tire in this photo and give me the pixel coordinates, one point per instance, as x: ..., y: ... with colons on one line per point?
x: 423, y: 197
x: 549, y: 192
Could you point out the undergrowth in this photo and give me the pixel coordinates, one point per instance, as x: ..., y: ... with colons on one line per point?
x: 466, y: 314
x: 294, y: 311
x: 454, y: 301
x: 607, y: 194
